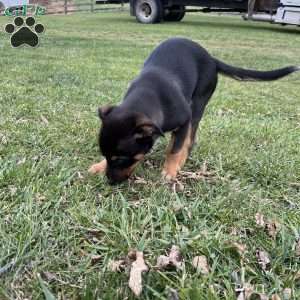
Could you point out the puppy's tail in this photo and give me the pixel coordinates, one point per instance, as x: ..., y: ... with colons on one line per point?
x: 253, y: 75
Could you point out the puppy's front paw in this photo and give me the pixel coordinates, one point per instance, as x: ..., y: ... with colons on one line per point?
x: 98, y: 168
x: 93, y: 169
x: 168, y: 176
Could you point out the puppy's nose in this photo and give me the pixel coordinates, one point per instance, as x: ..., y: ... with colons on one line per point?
x: 113, y: 181
x: 115, y: 177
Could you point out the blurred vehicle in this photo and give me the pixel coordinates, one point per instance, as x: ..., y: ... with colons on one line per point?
x: 12, y: 5
x: 154, y: 11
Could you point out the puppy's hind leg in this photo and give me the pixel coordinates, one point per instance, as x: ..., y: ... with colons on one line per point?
x: 194, y: 126
x: 177, y: 152
x: 199, y: 102
x: 98, y: 168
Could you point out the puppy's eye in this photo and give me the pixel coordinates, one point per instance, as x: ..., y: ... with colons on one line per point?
x: 123, y: 159
x: 120, y: 160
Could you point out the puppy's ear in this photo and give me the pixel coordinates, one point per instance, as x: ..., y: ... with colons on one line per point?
x: 147, y: 130
x: 104, y: 111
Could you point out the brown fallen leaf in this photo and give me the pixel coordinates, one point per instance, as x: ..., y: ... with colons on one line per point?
x: 137, y: 268
x: 272, y: 228
x: 201, y: 264
x: 175, y: 257
x: 177, y: 186
x: 163, y: 262
x: 263, y: 259
x: 48, y: 276
x: 189, y: 175
x: 132, y: 254
x: 117, y: 265
x: 140, y: 180
x: 209, y: 176
x: 173, y: 260
x: 95, y: 259
x: 241, y: 232
x: 203, y: 173
x: 123, y: 263
x: 260, y: 219
x: 94, y: 232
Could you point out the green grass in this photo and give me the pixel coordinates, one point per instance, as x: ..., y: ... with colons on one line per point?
x: 249, y: 137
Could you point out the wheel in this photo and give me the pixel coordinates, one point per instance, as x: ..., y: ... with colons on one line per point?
x: 148, y: 11
x: 174, y: 13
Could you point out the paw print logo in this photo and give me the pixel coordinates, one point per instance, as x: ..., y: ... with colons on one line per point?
x: 24, y: 33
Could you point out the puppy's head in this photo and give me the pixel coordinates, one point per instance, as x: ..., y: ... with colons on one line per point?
x: 124, y: 138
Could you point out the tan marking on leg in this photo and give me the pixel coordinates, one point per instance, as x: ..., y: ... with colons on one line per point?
x: 98, y: 168
x: 125, y: 173
x: 175, y: 161
x: 139, y: 156
x: 131, y: 168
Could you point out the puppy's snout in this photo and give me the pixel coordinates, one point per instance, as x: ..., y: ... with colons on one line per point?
x: 115, y: 176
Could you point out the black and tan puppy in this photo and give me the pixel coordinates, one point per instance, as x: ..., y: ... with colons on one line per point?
x: 170, y: 94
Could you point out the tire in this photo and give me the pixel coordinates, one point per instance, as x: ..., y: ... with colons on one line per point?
x: 148, y: 11
x: 175, y: 13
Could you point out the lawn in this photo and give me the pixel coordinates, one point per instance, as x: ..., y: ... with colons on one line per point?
x: 60, y: 227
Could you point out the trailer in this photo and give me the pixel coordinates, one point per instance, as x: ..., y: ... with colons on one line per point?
x: 154, y: 11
